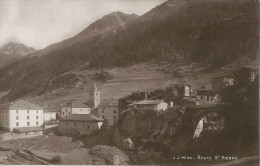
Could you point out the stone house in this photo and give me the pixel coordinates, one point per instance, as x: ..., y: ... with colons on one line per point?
x: 108, y: 110
x: 206, y: 95
x: 79, y: 124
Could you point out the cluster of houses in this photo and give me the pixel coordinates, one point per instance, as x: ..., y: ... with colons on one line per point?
x: 76, y: 118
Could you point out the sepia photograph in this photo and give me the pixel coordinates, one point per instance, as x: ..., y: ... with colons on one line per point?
x: 129, y: 82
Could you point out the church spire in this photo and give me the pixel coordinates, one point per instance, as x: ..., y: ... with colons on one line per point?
x: 94, y: 86
x: 94, y: 96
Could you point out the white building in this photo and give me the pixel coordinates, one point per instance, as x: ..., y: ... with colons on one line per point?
x: 21, y: 116
x: 49, y: 116
x: 74, y: 108
x: 108, y: 110
x: 156, y: 105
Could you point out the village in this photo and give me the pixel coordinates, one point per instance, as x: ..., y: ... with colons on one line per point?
x: 21, y: 119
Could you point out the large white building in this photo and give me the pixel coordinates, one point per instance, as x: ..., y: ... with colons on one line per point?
x: 156, y: 105
x: 74, y: 108
x: 21, y: 116
x: 108, y: 110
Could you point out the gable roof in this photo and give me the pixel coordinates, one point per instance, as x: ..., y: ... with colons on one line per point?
x: 82, y: 117
x: 76, y: 105
x: 28, y: 129
x: 109, y: 103
x: 21, y: 105
x: 94, y: 87
x: 147, y: 102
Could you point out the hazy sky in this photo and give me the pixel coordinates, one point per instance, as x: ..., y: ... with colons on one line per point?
x: 39, y: 23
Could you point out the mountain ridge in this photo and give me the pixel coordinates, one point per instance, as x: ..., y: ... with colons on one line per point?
x: 213, y: 32
x: 16, y: 49
x: 100, y: 26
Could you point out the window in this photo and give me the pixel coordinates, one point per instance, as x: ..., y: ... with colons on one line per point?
x: 17, y: 123
x: 17, y: 117
x: 88, y: 127
x: 37, y: 117
x: 37, y: 123
x: 103, y: 116
x: 63, y: 113
x: 115, y: 111
x: 28, y: 123
x: 69, y: 113
x: 103, y: 111
x: 67, y: 123
x: 28, y: 117
x: 80, y: 109
x: 27, y: 111
x: 17, y: 111
x: 36, y: 111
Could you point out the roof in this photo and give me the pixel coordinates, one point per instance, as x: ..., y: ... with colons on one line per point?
x: 94, y: 87
x: 147, y: 102
x: 77, y: 105
x: 109, y: 103
x: 28, y: 129
x: 82, y: 117
x: 21, y: 105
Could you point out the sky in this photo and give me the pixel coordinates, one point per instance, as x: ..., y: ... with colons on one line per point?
x: 39, y: 23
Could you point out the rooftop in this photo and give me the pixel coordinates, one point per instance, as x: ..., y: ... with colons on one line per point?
x: 147, y: 102
x: 28, y: 129
x: 82, y: 117
x: 109, y: 103
x: 21, y: 105
x: 77, y: 105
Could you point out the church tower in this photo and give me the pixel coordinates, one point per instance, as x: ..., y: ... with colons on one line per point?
x: 94, y: 96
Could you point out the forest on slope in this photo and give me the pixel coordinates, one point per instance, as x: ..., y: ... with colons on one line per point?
x: 215, y: 32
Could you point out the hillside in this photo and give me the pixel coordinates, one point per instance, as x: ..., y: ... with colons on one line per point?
x: 214, y: 33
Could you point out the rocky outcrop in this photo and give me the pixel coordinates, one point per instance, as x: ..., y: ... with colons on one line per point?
x: 150, y: 123
x: 123, y: 142
x: 112, y: 155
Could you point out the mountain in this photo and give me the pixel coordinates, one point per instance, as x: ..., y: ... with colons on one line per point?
x: 215, y: 32
x: 16, y: 49
x: 101, y: 26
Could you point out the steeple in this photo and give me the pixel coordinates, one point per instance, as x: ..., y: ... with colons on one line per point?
x: 94, y: 96
x: 94, y: 87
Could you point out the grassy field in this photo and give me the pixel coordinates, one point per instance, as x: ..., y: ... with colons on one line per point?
x: 141, y: 77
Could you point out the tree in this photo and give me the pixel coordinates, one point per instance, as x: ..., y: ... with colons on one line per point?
x: 242, y: 110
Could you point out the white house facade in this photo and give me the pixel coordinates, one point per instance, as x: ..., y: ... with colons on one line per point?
x: 156, y: 105
x: 74, y: 108
x: 20, y: 114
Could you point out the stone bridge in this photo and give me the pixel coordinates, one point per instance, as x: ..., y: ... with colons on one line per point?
x: 193, y: 114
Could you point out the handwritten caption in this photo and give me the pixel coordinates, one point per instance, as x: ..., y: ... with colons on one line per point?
x: 205, y: 158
